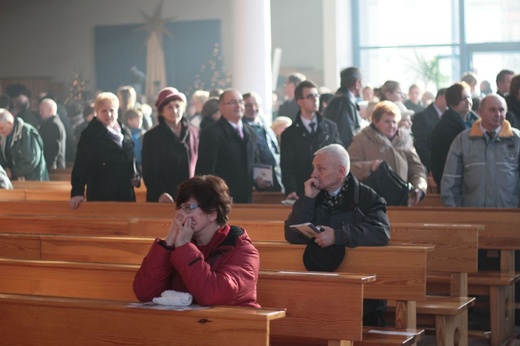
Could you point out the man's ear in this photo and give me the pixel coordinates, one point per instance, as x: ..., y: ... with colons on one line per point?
x: 342, y: 170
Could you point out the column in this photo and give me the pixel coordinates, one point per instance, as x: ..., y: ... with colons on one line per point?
x: 251, y: 59
x: 337, y: 40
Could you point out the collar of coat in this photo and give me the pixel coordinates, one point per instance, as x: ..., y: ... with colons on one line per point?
x: 350, y: 198
x: 505, y: 132
x: 17, y: 129
x: 402, y: 139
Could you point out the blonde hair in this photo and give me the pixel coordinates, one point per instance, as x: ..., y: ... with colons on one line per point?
x: 106, y: 97
x: 385, y: 107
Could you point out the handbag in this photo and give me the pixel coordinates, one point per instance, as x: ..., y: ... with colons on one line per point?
x: 389, y: 185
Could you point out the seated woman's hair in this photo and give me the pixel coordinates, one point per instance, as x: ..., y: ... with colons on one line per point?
x: 384, y: 107
x: 211, y: 193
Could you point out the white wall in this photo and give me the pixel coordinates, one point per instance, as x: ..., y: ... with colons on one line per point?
x: 56, y: 37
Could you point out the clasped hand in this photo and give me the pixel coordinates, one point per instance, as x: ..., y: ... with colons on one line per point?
x: 181, y: 231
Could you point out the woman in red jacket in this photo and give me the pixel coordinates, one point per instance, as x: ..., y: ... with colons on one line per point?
x: 202, y: 255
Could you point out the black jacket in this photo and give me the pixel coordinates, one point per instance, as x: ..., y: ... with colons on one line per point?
x: 422, y: 127
x: 344, y: 112
x: 103, y: 166
x: 166, y: 158
x: 513, y: 111
x: 223, y: 153
x: 53, y: 135
x: 450, y: 125
x: 359, y: 220
x: 298, y: 148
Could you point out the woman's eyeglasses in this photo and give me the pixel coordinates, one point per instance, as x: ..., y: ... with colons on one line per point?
x: 187, y: 208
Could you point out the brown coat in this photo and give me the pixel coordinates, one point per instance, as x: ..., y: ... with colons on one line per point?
x: 370, y: 145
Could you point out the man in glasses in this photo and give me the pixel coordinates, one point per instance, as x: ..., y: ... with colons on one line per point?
x: 308, y: 133
x: 228, y: 148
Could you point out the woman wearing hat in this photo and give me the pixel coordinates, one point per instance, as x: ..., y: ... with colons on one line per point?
x: 169, y: 152
x: 105, y: 157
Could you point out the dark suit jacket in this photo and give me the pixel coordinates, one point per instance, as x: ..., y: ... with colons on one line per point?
x: 298, y: 148
x: 223, y: 153
x: 422, y: 127
x: 343, y: 111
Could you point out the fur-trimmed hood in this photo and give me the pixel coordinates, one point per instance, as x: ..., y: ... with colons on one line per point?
x: 505, y: 132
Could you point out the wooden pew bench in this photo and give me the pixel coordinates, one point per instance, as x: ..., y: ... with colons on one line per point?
x: 402, y: 279
x: 454, y: 255
x: 499, y: 233
x: 309, y: 315
x: 455, y: 251
x: 105, y: 209
x: 55, y: 191
x: 138, y: 210
x: 45, y: 320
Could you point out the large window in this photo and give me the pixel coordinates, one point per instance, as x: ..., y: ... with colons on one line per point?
x: 431, y: 43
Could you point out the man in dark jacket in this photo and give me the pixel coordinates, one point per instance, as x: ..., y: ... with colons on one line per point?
x: 343, y: 109
x: 455, y: 119
x: 228, y: 148
x: 309, y: 132
x: 53, y: 135
x: 21, y: 149
x: 423, y: 125
x: 348, y: 213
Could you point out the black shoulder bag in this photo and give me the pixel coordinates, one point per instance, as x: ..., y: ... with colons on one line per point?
x: 389, y: 185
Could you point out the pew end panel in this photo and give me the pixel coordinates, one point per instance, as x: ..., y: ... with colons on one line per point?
x: 330, y: 308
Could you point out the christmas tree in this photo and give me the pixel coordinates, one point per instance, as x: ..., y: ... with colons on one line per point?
x: 210, y: 75
x: 77, y: 90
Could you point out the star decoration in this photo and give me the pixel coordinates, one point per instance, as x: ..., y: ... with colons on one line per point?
x: 155, y: 24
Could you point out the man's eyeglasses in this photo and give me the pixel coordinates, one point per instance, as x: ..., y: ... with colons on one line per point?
x: 312, y: 96
x: 188, y: 207
x: 234, y: 102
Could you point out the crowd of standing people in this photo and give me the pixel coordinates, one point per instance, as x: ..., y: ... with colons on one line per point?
x: 117, y: 140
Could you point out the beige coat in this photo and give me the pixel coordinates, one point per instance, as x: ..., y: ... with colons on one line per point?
x: 370, y: 145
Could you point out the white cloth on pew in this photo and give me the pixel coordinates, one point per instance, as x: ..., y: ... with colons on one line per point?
x: 171, y: 297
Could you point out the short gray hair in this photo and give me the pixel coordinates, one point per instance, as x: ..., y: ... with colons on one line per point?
x: 52, y: 104
x: 338, y: 153
x: 6, y: 116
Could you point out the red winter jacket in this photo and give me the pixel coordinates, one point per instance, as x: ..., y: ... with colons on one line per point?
x: 224, y: 272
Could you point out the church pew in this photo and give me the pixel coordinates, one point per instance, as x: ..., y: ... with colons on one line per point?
x: 500, y: 233
x: 308, y: 314
x: 454, y: 255
x: 107, y: 209
x: 27, y: 320
x: 259, y: 197
x: 402, y: 279
x: 51, y: 194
